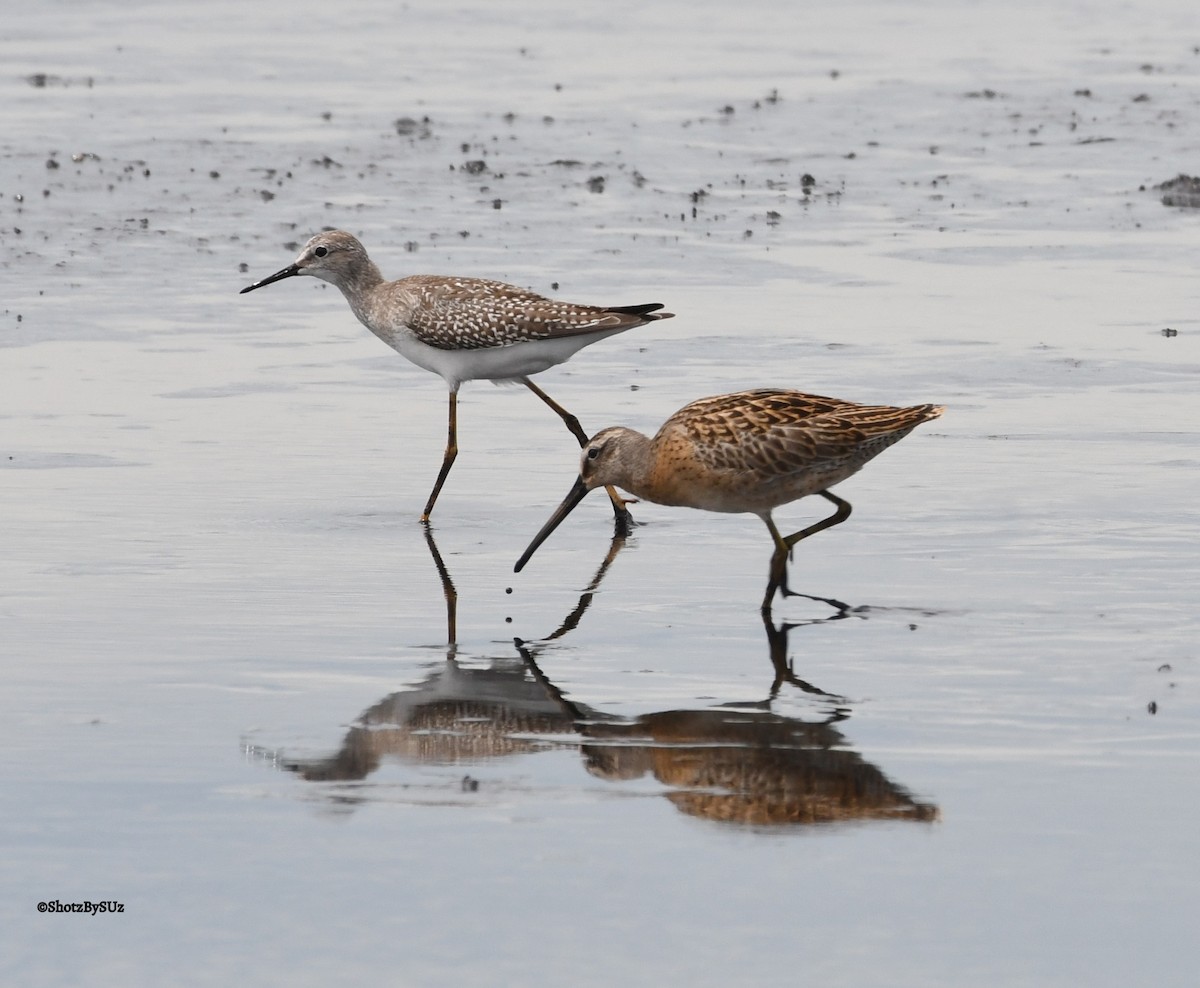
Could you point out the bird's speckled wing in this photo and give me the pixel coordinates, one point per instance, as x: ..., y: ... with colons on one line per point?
x: 775, y: 432
x: 474, y: 313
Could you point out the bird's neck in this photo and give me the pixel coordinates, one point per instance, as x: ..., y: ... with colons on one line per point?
x: 360, y: 287
x: 660, y: 470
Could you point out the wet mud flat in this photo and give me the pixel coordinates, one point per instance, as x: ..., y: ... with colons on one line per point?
x: 303, y: 739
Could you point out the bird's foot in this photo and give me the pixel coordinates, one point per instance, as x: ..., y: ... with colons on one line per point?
x: 623, y: 523
x: 838, y: 605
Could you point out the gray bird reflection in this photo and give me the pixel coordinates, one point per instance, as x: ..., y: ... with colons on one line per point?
x: 740, y: 763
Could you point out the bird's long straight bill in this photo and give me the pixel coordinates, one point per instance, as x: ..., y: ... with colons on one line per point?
x: 574, y: 496
x: 287, y: 272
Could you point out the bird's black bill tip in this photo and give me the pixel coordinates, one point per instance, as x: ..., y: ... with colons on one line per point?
x: 287, y: 272
x: 574, y: 496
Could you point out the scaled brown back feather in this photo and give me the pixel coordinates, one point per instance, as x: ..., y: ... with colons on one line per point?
x: 788, y: 430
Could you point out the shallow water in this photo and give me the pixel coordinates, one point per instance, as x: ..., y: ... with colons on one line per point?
x: 227, y: 703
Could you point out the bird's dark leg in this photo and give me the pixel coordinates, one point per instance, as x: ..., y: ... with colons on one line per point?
x: 778, y: 573
x: 783, y: 546
x: 839, y: 516
x: 624, y: 519
x: 569, y: 420
x: 448, y: 590
x: 448, y: 459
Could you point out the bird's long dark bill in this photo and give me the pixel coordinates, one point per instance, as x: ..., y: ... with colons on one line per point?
x: 287, y: 272
x: 574, y: 496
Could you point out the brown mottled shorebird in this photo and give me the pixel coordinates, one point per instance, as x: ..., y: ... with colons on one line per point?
x: 750, y: 451
x: 465, y: 329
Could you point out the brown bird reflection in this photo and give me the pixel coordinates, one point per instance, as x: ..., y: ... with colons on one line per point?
x: 750, y: 767
x: 740, y: 763
x: 744, y: 763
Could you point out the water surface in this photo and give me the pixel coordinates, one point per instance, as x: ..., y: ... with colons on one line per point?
x: 229, y: 700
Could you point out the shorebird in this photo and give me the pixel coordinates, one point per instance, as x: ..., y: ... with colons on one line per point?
x: 465, y: 329
x: 751, y: 451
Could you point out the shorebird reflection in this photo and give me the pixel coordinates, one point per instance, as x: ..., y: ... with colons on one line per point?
x: 742, y: 763
x: 620, y: 533
x: 447, y: 589
x: 750, y: 767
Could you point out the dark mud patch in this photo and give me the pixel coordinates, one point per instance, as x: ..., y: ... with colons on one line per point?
x: 1182, y: 191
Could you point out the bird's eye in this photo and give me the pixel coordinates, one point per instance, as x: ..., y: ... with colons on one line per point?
x: 321, y: 251
x: 593, y: 452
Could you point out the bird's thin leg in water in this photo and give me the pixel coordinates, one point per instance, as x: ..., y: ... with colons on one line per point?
x: 779, y: 560
x: 619, y: 509
x: 839, y: 516
x: 783, y: 546
x: 448, y: 459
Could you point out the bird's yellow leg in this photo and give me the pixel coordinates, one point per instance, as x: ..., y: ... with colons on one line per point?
x: 448, y: 459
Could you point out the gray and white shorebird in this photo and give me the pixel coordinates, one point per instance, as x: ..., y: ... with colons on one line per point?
x: 465, y: 329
